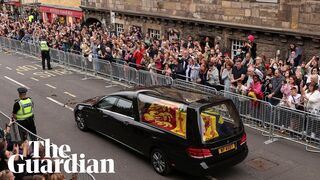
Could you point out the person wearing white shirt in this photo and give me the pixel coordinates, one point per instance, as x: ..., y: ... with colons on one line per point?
x: 294, y: 100
x: 312, y: 98
x: 313, y: 76
x: 192, y: 71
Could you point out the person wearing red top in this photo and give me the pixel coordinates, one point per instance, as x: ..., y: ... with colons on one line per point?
x: 138, y: 54
x: 255, y: 90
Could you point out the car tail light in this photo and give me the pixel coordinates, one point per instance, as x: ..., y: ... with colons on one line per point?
x: 199, y: 153
x: 243, y: 139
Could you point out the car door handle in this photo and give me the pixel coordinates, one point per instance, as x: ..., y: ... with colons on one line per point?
x: 105, y: 116
x: 126, y: 123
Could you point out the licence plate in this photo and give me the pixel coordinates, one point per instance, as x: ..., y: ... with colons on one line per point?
x: 226, y: 148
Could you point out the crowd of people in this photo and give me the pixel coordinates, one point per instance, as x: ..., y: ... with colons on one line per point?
x: 9, y: 148
x: 290, y: 81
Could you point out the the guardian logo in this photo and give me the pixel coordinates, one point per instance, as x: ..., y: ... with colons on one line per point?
x: 55, y: 159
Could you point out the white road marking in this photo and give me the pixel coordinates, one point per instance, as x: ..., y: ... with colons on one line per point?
x: 38, y: 65
x: 60, y: 103
x: 20, y: 73
x: 271, y: 141
x: 20, y: 84
x: 72, y: 95
x: 34, y: 79
x: 121, y: 84
x: 68, y: 107
x: 51, y: 86
x: 9, y: 68
x: 0, y: 64
x: 110, y: 86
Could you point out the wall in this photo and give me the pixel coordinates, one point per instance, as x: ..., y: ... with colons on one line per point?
x: 28, y: 1
x: 288, y: 15
x: 67, y: 3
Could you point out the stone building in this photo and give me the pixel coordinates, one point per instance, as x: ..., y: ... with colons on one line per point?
x: 65, y: 11
x: 274, y: 23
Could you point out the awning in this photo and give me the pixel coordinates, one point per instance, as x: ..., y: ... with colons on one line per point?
x: 59, y: 11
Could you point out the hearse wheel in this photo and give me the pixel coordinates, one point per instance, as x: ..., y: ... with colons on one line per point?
x: 160, y: 162
x: 81, y: 122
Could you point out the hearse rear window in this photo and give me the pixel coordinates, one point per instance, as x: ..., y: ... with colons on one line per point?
x: 164, y: 114
x: 219, y: 122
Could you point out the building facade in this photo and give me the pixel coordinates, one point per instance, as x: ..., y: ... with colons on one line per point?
x: 274, y: 23
x: 11, y: 5
x: 64, y: 11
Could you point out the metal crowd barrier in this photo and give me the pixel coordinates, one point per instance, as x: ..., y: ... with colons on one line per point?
x: 272, y: 121
x: 254, y: 112
x: 16, y: 137
x: 124, y: 73
x: 147, y: 78
x: 289, y: 122
x: 313, y: 133
x: 182, y: 84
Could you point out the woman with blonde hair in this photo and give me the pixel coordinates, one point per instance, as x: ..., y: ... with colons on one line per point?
x: 6, y: 175
x: 56, y: 176
x: 226, y: 75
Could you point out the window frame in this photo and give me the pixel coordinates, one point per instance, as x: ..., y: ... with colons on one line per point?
x: 115, y: 102
x: 157, y: 127
x: 238, y: 44
x: 119, y: 28
x: 154, y: 33
x: 117, y: 107
x: 233, y: 113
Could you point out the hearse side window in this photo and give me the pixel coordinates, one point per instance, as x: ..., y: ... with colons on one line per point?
x: 124, y: 107
x: 218, y: 122
x: 107, y: 103
x: 164, y: 114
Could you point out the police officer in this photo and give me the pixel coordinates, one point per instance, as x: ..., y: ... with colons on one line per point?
x: 23, y: 112
x: 30, y: 18
x: 45, y: 55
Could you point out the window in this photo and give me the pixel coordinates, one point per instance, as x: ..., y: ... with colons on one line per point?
x: 107, y: 103
x: 235, y: 45
x: 163, y: 114
x: 124, y: 107
x: 219, y: 121
x: 154, y: 33
x: 119, y: 29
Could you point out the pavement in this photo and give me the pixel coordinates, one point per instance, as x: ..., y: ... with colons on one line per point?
x: 56, y: 92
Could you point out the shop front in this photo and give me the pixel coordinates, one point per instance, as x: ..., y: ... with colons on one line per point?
x: 12, y: 6
x: 63, y: 16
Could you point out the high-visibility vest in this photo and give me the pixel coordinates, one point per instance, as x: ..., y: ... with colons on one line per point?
x: 30, y: 18
x: 44, y: 46
x: 26, y: 109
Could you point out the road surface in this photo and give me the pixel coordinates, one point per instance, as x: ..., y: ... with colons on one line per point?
x: 50, y: 89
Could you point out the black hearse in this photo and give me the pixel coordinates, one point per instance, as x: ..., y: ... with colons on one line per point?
x: 188, y: 131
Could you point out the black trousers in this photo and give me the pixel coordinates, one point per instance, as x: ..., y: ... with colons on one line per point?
x: 30, y: 126
x: 45, y: 55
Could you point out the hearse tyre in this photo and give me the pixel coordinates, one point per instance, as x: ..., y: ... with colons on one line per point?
x: 81, y: 124
x: 160, y: 162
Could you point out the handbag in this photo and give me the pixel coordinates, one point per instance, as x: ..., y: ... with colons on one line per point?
x: 297, y: 106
